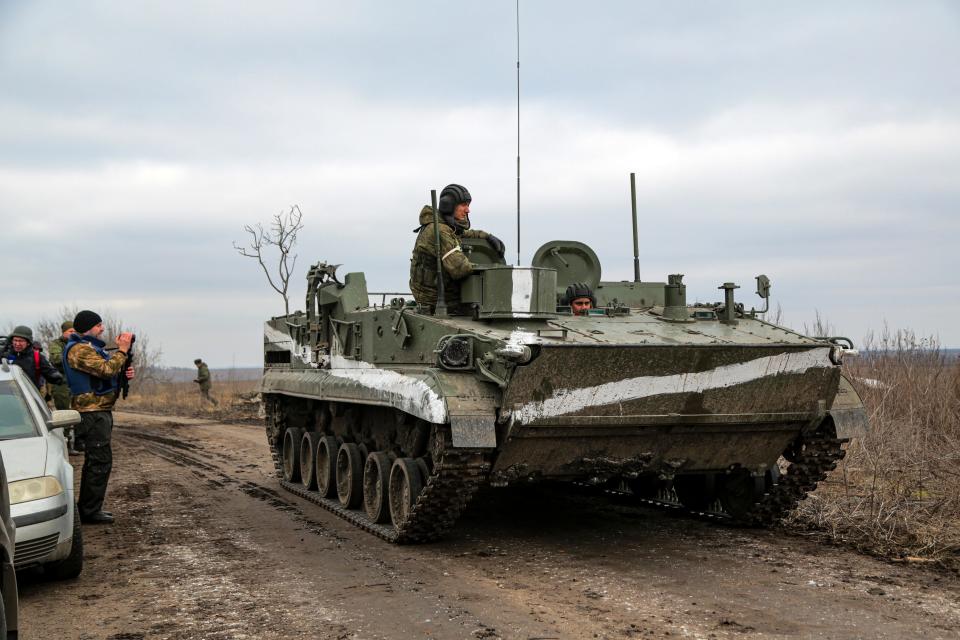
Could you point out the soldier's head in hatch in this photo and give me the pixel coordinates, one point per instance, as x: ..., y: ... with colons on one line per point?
x: 579, y: 297
x: 455, y: 204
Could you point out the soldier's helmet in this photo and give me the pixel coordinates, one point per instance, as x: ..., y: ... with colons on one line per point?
x: 579, y: 290
x: 451, y: 196
x: 197, y: 361
x: 23, y: 332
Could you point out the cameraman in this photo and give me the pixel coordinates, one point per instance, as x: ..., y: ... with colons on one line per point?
x: 94, y: 379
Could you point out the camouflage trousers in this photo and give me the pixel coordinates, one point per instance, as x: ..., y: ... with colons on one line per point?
x: 205, y: 395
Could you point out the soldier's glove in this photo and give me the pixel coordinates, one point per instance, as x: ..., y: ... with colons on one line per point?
x: 496, y: 244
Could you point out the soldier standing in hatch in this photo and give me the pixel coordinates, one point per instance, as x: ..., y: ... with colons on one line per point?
x: 61, y: 392
x: 454, y: 209
x: 204, y: 380
x: 94, y: 379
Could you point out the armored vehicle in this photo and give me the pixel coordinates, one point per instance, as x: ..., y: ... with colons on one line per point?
x: 392, y: 415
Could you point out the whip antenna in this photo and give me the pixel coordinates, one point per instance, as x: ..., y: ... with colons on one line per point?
x: 518, y: 132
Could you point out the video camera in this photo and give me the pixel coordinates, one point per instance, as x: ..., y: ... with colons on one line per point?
x: 124, y: 390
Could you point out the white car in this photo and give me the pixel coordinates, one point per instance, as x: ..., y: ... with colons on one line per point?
x: 39, y: 477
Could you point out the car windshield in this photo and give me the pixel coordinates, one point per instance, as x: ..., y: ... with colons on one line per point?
x: 16, y: 421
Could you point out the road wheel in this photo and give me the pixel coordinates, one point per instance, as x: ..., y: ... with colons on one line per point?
x: 71, y: 566
x: 326, y: 465
x: 695, y: 491
x: 308, y: 469
x: 739, y: 491
x: 405, y: 486
x: 646, y: 487
x: 291, y: 453
x: 350, y: 475
x: 376, y: 487
x: 424, y: 470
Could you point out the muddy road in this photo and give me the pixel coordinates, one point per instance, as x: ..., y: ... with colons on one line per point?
x: 207, y: 545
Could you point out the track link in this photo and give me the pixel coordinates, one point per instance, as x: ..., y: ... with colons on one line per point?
x: 818, y: 456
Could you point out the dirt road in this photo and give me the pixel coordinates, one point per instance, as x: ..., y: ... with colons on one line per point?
x: 207, y: 545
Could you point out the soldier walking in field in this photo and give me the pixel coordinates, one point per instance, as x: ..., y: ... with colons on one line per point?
x: 204, y: 380
x: 94, y: 379
x: 61, y: 392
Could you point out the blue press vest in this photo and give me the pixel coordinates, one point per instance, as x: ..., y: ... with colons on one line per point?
x: 81, y: 382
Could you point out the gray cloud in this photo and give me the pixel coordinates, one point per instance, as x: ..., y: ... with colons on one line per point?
x: 816, y: 143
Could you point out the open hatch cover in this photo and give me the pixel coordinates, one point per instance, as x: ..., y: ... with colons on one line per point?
x: 572, y: 260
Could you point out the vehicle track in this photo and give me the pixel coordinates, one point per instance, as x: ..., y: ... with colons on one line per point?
x: 175, y: 452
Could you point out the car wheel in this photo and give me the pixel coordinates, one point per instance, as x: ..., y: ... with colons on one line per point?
x: 71, y: 566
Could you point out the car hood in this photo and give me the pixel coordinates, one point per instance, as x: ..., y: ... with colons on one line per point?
x: 24, y: 457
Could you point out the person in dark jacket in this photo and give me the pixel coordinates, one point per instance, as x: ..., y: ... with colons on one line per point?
x: 20, y: 351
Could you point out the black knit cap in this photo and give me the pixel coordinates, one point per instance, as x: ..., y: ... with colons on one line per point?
x: 86, y: 320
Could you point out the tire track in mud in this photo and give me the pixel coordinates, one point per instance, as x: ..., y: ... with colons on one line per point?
x: 168, y: 534
x: 175, y: 452
x: 395, y: 577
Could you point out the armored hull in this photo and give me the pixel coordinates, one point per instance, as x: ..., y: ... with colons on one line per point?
x: 392, y: 416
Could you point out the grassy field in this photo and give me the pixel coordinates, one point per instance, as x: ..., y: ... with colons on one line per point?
x: 895, y: 495
x: 237, y: 400
x: 897, y: 492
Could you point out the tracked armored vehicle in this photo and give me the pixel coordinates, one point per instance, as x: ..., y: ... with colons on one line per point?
x: 392, y: 415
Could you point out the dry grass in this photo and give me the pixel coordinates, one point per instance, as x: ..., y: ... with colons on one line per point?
x: 238, y: 400
x: 897, y: 493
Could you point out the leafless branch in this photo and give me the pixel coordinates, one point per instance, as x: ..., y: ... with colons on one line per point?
x: 282, y: 236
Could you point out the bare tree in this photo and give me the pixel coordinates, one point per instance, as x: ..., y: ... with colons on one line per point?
x: 282, y: 234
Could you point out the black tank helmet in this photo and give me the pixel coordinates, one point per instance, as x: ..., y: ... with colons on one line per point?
x: 579, y: 290
x: 451, y: 196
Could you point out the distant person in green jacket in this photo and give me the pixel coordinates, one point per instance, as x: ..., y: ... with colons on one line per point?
x: 204, y: 380
x: 61, y: 392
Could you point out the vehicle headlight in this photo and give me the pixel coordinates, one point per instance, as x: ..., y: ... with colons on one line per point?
x: 34, y: 489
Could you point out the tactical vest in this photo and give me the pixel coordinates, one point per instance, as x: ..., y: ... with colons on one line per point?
x: 81, y: 382
x: 423, y: 277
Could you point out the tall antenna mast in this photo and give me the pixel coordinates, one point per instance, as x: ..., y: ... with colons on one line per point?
x: 518, y: 132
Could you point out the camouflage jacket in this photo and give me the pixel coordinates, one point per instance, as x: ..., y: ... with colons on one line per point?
x: 60, y: 392
x: 55, y: 349
x: 84, y: 358
x: 203, y: 376
x: 423, y: 262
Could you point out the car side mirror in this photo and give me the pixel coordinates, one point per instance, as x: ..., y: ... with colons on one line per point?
x: 64, y: 418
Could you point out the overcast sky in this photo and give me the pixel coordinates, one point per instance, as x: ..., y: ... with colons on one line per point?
x: 816, y: 142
